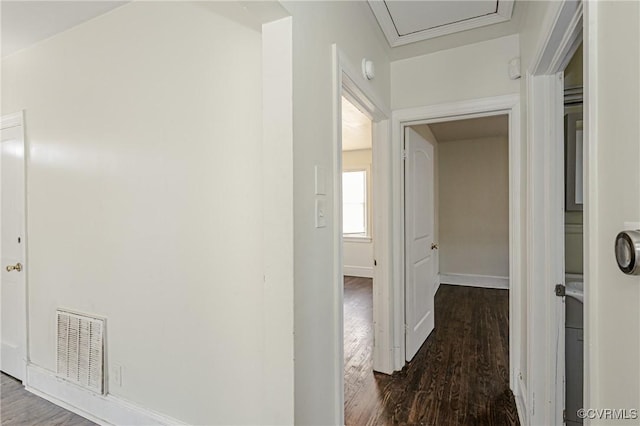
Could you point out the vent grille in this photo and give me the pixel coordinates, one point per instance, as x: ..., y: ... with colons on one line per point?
x: 81, y: 350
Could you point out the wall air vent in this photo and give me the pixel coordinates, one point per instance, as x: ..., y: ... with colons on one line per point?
x: 81, y: 350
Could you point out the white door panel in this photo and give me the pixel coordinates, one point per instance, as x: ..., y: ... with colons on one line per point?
x: 421, y: 268
x: 12, y: 236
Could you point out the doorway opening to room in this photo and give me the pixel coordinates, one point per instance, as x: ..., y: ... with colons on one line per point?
x: 358, y: 254
x: 366, y: 347
x: 456, y: 215
x: 457, y: 262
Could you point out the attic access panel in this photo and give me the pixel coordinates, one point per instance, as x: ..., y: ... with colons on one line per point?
x: 406, y: 22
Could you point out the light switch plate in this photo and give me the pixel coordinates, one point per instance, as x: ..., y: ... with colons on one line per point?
x: 321, y: 213
x: 321, y: 180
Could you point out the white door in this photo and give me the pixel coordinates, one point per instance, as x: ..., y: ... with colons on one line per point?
x: 13, y: 291
x: 421, y: 267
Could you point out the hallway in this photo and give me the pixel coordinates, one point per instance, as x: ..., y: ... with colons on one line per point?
x: 460, y: 376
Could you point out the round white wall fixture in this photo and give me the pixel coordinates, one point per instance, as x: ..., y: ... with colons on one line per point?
x: 368, y: 70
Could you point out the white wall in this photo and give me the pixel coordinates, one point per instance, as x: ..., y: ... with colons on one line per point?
x: 358, y: 252
x: 316, y: 27
x: 277, y: 194
x: 468, y: 72
x: 142, y: 207
x: 612, y: 55
x: 474, y: 207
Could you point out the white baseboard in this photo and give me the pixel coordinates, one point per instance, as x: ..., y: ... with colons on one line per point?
x: 102, y: 409
x: 358, y: 271
x: 485, y: 281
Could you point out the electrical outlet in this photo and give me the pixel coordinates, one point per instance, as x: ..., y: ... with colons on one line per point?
x: 116, y: 374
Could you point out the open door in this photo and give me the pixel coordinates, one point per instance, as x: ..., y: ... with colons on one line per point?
x: 420, y: 268
x: 13, y: 290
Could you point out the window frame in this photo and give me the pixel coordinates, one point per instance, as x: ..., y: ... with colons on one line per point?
x: 366, y: 237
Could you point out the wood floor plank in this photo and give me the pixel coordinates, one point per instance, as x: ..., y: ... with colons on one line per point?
x: 460, y: 376
x: 19, y: 407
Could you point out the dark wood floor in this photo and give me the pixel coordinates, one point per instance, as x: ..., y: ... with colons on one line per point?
x: 460, y: 376
x: 21, y: 408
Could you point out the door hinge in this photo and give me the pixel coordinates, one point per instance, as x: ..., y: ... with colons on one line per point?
x: 375, y: 262
x: 564, y: 416
x: 560, y: 290
x: 404, y: 154
x: 406, y: 328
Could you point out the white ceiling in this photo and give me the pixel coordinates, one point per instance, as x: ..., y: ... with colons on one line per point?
x: 473, y: 128
x: 24, y: 23
x: 356, y: 128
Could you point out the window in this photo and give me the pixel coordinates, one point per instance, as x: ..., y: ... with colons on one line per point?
x: 354, y: 203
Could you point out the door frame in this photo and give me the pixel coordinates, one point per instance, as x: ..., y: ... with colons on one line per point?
x: 562, y: 34
x: 348, y: 82
x: 6, y: 122
x: 485, y: 107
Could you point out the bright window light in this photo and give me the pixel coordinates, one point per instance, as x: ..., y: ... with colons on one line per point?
x: 354, y: 202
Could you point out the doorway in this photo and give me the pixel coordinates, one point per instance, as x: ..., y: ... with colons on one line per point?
x: 358, y: 249
x: 457, y: 254
x: 507, y: 106
x: 349, y: 83
x: 456, y: 213
x: 391, y: 398
x: 13, y: 285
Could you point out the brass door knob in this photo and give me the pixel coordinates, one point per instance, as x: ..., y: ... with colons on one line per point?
x: 16, y: 267
x: 434, y: 246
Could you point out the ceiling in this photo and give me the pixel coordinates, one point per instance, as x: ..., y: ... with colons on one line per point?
x: 472, y: 128
x: 25, y: 23
x: 356, y: 128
